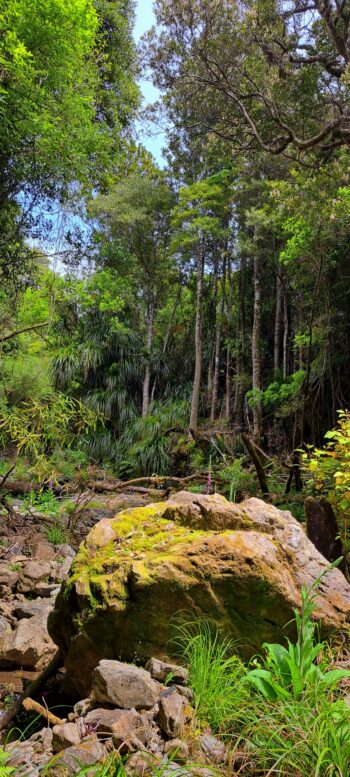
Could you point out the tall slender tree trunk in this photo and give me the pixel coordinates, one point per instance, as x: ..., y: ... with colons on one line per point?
x: 228, y: 384
x: 218, y: 325
x: 241, y: 366
x: 167, y: 334
x: 256, y: 362
x: 147, y: 376
x: 198, y: 340
x: 285, y: 336
x: 278, y: 321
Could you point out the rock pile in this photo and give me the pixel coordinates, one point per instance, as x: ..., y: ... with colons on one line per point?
x: 131, y: 712
x: 28, y: 587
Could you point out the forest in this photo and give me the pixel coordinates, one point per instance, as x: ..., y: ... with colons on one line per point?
x: 177, y: 328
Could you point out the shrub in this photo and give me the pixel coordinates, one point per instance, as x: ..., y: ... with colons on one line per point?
x: 286, y: 710
x: 329, y: 474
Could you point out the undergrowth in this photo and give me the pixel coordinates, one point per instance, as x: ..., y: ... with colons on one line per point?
x: 286, y: 710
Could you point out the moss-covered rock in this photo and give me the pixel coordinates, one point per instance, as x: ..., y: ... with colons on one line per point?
x: 240, y: 565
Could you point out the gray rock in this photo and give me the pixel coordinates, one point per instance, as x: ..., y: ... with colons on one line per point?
x: 213, y: 749
x: 160, y: 670
x: 124, y: 685
x: 103, y: 721
x: 74, y: 758
x: 65, y: 551
x: 8, y: 576
x: 44, y: 590
x: 172, y: 715
x: 140, y: 765
x: 177, y: 748
x: 64, y: 736
x: 40, y: 549
x: 127, y: 733
x: 31, y: 608
x: 60, y: 569
x: 28, y: 646
x: 32, y: 573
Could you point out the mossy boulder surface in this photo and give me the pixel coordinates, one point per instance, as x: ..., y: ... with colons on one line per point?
x: 240, y: 565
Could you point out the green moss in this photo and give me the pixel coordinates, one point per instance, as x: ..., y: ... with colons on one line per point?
x: 102, y: 573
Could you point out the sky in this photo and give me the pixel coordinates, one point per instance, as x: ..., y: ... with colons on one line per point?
x: 150, y: 137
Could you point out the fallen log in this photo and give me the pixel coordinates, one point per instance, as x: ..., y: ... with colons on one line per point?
x: 33, y: 706
x: 120, y: 485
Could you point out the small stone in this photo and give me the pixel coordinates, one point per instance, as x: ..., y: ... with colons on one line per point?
x: 177, y: 748
x: 104, y: 721
x: 8, y: 576
x: 124, y: 685
x: 44, y: 589
x: 44, y: 737
x: 32, y: 573
x: 213, y: 749
x: 141, y: 765
x: 127, y: 732
x: 186, y: 692
x: 40, y: 549
x: 160, y: 670
x: 29, y: 609
x: 28, y: 645
x: 61, y: 569
x: 65, y: 551
x: 64, y: 736
x: 87, y: 753
x: 82, y: 707
x: 172, y: 715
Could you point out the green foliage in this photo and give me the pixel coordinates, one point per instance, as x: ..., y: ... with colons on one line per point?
x: 283, y: 396
x: 215, y: 673
x: 288, y: 715
x: 36, y: 427
x: 240, y: 481
x: 145, y: 447
x: 50, y: 57
x: 300, y: 669
x: 5, y: 769
x: 43, y: 501
x: 329, y: 472
x: 56, y: 534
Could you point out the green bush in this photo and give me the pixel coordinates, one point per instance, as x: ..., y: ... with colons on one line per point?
x: 328, y: 469
x: 286, y: 710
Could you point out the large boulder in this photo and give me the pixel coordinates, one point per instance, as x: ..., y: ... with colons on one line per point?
x: 241, y: 565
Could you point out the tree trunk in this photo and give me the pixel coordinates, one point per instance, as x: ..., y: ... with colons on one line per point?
x: 218, y: 324
x: 228, y: 384
x: 198, y: 340
x: 241, y: 362
x: 278, y: 321
x: 147, y: 376
x: 167, y: 335
x: 285, y: 336
x: 256, y: 363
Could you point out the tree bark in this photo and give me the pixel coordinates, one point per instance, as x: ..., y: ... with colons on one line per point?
x: 198, y: 340
x: 278, y: 321
x: 147, y: 376
x: 218, y: 325
x: 285, y: 336
x: 256, y: 362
